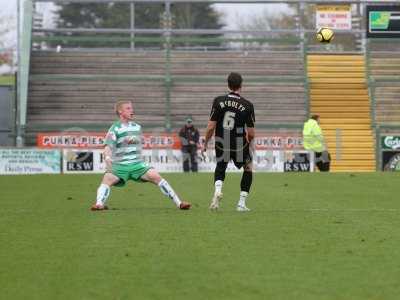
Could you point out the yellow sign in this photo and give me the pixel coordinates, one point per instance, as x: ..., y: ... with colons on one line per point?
x: 333, y: 7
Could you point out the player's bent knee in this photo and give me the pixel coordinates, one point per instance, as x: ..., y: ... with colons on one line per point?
x: 152, y: 176
x: 110, y: 179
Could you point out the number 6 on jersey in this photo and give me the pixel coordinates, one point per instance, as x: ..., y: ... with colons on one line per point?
x: 229, y: 120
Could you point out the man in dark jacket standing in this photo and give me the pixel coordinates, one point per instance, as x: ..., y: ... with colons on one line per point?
x: 189, y: 136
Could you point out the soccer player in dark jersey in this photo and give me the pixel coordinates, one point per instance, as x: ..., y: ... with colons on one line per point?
x: 232, y: 119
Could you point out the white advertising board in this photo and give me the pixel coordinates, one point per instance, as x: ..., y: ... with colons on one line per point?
x: 29, y: 161
x: 170, y: 160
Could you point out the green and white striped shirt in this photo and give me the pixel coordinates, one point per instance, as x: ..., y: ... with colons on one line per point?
x: 125, y: 142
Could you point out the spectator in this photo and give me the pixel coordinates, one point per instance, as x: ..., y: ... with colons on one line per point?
x: 189, y: 136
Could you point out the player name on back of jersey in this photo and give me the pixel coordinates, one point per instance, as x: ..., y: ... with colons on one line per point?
x: 233, y: 104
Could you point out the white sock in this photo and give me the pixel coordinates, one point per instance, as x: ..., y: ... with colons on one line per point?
x: 167, y: 190
x: 102, y: 194
x: 242, y: 199
x: 218, y: 186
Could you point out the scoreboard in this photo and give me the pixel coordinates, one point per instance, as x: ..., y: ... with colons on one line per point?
x: 383, y: 21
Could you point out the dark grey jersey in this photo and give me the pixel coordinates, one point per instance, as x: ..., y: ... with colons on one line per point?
x: 233, y: 115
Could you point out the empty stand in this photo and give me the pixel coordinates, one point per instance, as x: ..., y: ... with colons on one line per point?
x: 273, y: 81
x: 384, y: 69
x: 79, y: 89
x: 74, y: 88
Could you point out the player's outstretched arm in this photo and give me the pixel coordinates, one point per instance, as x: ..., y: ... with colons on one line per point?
x: 251, y: 133
x: 209, y: 133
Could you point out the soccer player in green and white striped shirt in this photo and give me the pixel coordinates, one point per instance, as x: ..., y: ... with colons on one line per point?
x: 124, y: 162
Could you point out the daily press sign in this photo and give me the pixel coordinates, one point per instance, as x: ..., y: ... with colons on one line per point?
x: 29, y: 161
x: 390, y: 142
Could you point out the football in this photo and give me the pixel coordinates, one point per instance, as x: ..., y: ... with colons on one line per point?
x: 325, y: 35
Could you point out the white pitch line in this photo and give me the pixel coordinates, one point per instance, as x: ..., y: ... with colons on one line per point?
x: 357, y: 209
x: 338, y: 210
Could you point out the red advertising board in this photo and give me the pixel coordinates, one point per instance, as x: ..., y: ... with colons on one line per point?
x: 70, y: 140
x: 96, y: 140
x: 158, y: 140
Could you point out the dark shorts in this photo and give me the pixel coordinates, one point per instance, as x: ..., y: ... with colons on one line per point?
x: 240, y: 157
x: 323, y: 161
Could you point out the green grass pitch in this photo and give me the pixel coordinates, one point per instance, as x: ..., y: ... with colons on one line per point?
x: 309, y: 236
